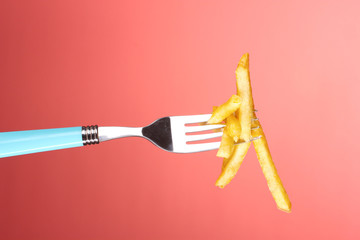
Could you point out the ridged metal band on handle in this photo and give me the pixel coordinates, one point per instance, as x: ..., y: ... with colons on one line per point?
x: 90, y: 135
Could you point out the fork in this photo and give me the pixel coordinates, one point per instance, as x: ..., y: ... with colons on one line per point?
x: 167, y: 133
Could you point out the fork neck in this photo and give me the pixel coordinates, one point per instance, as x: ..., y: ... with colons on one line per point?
x: 110, y: 133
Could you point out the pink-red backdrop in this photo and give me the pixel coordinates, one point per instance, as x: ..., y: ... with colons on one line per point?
x: 72, y: 63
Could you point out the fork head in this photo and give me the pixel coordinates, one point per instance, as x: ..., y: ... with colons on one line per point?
x: 181, y: 139
x: 169, y: 133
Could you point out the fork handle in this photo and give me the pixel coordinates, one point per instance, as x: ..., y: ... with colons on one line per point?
x: 33, y: 141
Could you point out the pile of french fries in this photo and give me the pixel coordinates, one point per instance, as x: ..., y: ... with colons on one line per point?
x: 242, y: 128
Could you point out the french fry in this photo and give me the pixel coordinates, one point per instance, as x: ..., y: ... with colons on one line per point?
x: 224, y: 152
x: 244, y: 91
x: 224, y: 110
x: 233, y: 128
x: 244, y: 113
x: 232, y: 164
x: 205, y: 123
x: 218, y: 129
x: 267, y: 165
x: 226, y: 146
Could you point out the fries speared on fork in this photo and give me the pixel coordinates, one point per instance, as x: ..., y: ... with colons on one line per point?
x: 244, y: 127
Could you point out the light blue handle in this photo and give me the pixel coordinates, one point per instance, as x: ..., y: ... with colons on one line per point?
x: 33, y: 141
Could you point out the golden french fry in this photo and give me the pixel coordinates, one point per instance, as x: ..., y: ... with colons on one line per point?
x: 224, y: 110
x: 244, y: 91
x: 244, y: 113
x: 232, y: 165
x: 226, y: 146
x: 267, y: 165
x: 223, y: 143
x: 233, y: 128
x: 218, y: 129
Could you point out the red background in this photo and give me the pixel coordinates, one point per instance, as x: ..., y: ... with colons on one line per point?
x: 127, y: 63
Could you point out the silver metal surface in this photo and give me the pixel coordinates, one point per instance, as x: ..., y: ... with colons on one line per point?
x: 171, y: 133
x: 252, y: 139
x: 192, y: 129
x: 110, y: 133
x: 180, y: 139
x: 198, y: 137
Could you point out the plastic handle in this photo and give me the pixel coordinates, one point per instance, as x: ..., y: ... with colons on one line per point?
x: 33, y: 141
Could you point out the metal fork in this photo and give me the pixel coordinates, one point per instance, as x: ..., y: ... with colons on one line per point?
x: 168, y: 133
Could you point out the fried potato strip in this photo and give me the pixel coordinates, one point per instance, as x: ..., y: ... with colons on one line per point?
x: 232, y: 165
x: 226, y: 146
x: 233, y: 128
x: 244, y: 91
x: 224, y: 110
x: 267, y: 165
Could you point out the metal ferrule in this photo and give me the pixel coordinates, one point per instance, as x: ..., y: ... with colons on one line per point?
x: 90, y: 135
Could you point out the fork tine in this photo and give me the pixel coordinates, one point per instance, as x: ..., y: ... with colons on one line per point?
x: 190, y: 138
x: 209, y: 127
x: 252, y: 139
x: 199, y: 118
x: 196, y: 118
x: 209, y: 146
x: 203, y: 128
x: 255, y: 138
x: 200, y: 147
